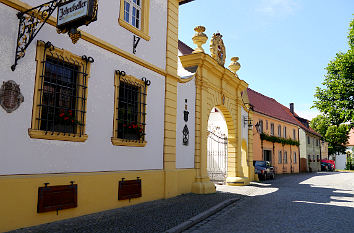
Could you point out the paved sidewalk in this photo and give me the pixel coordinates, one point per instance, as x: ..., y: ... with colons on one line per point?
x: 155, y: 216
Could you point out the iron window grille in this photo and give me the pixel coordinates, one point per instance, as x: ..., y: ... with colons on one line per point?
x: 60, y: 108
x: 130, y: 109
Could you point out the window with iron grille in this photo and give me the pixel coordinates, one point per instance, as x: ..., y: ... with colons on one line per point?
x: 285, y: 157
x: 130, y: 111
x: 59, y: 108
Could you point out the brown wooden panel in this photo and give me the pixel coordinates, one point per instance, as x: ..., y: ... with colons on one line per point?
x: 303, y: 165
x: 56, y: 197
x: 129, y: 189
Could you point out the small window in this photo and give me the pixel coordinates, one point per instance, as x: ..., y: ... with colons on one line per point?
x: 266, y: 125
x: 294, y: 134
x: 129, y: 111
x: 308, y: 140
x: 272, y: 129
x: 59, y: 107
x: 284, y: 132
x: 280, y: 157
x: 134, y: 16
x: 295, y: 157
x: 279, y: 131
x: 314, y: 158
x: 309, y: 158
x: 260, y: 126
x: 285, y: 157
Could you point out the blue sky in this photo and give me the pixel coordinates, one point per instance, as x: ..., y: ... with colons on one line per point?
x: 283, y: 45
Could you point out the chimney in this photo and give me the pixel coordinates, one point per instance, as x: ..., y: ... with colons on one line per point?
x: 292, y: 108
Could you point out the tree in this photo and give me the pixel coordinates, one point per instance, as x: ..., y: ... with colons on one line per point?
x: 336, y: 100
x: 336, y: 136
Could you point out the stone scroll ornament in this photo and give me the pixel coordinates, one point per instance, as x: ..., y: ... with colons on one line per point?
x: 10, y: 96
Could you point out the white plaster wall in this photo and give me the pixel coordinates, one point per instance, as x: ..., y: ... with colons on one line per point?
x: 108, y: 29
x: 180, y: 70
x: 20, y: 154
x: 244, y: 127
x: 340, y: 161
x: 185, y: 154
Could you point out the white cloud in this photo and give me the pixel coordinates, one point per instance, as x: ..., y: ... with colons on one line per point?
x: 277, y: 7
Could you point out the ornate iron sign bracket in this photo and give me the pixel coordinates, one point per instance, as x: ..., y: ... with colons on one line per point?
x: 136, y: 40
x: 31, y: 22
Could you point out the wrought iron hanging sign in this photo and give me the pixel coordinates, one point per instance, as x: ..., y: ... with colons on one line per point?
x: 10, y: 96
x: 71, y: 15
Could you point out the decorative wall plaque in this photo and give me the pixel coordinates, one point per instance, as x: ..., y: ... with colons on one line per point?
x: 217, y: 48
x: 10, y: 96
x: 185, y: 135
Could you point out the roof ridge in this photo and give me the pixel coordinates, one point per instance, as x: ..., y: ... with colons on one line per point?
x: 262, y: 94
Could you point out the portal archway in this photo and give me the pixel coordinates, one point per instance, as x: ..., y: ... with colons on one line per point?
x: 217, y: 86
x: 217, y: 147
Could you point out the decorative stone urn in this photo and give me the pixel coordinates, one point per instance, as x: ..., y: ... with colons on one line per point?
x: 234, y: 65
x: 199, y: 39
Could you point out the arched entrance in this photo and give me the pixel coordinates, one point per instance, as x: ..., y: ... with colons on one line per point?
x: 217, y: 86
x: 217, y: 147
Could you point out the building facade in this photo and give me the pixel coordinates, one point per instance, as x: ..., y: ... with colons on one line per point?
x: 90, y: 110
x: 276, y: 134
x: 96, y: 117
x: 310, y: 146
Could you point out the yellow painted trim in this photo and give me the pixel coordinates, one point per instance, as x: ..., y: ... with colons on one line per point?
x: 143, y: 32
x: 124, y: 142
x: 21, y: 6
x: 140, y: 83
x: 39, y: 134
x: 34, y: 131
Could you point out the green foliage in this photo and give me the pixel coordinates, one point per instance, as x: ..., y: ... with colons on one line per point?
x: 336, y: 136
x: 336, y: 100
x: 274, y: 139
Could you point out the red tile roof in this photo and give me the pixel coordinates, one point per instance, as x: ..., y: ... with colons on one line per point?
x: 270, y: 107
x: 184, y: 49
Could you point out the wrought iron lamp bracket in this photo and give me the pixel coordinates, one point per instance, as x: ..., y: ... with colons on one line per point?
x: 31, y: 22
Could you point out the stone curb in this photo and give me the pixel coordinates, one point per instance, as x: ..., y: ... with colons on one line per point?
x: 200, y: 217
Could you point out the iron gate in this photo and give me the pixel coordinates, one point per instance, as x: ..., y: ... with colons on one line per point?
x: 217, y: 156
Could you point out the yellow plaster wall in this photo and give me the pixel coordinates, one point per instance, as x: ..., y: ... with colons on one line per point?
x: 257, y: 144
x: 97, y: 191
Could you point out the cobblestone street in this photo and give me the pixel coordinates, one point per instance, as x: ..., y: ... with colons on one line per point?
x: 316, y: 202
